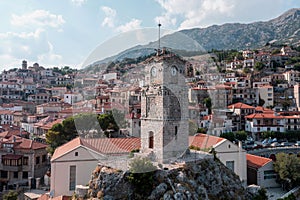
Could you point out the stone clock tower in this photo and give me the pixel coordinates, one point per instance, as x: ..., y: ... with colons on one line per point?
x: 164, y: 105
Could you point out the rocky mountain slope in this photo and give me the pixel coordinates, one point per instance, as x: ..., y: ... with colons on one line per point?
x: 204, y: 179
x: 283, y: 29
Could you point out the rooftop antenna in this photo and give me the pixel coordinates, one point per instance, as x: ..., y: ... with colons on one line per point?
x: 158, y: 50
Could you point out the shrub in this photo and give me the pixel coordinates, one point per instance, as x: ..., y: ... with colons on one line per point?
x: 11, y: 195
x: 141, y: 174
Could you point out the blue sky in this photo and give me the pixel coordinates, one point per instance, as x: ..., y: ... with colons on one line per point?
x: 65, y: 32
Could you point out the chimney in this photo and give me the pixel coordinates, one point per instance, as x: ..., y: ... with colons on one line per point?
x: 240, y: 145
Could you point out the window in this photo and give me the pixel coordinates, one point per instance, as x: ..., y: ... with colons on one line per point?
x: 4, y: 174
x: 25, y: 175
x: 72, y: 182
x: 44, y: 158
x: 16, y: 174
x: 37, y: 160
x: 270, y: 174
x: 76, y: 153
x: 230, y: 165
x: 176, y: 132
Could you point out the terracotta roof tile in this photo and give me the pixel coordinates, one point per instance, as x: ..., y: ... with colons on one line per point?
x: 23, y: 143
x: 240, y: 105
x: 257, y: 161
x: 204, y: 141
x: 270, y: 116
x: 66, y: 147
x: 100, y: 145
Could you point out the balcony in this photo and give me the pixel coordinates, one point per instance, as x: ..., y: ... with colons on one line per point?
x: 11, y: 168
x: 268, y: 125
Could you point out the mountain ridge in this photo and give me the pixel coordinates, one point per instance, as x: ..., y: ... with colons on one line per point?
x: 284, y: 29
x: 250, y: 35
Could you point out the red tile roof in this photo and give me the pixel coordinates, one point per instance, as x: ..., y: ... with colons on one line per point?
x: 204, y: 141
x: 263, y: 109
x: 113, y: 145
x: 66, y: 147
x: 257, y: 161
x: 240, y: 105
x: 264, y: 116
x: 50, y: 124
x: 125, y: 145
x: 100, y: 145
x: 23, y: 143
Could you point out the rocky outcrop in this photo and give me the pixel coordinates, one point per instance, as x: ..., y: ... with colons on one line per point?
x: 203, y: 179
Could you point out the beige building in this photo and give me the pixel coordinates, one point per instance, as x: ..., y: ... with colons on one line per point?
x: 73, y: 162
x: 266, y: 94
x: 292, y: 77
x: 297, y: 95
x: 21, y: 159
x: 260, y: 171
x: 231, y: 155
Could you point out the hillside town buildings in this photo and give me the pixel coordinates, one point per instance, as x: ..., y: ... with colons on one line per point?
x: 166, y: 98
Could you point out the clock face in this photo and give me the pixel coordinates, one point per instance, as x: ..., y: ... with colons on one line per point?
x: 153, y: 71
x: 173, y: 71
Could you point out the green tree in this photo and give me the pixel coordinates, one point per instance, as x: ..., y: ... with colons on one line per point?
x: 119, y: 118
x: 79, y: 125
x: 201, y: 130
x: 141, y: 174
x: 275, y: 51
x: 259, y: 66
x: 297, y: 66
x: 229, y: 136
x: 61, y: 133
x: 290, y: 197
x: 287, y: 166
x: 241, y: 135
x: 107, y: 121
x: 11, y: 195
x: 85, y: 123
x: 208, y: 104
x: 53, y: 139
x: 262, y: 195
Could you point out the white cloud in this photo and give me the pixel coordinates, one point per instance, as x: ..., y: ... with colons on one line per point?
x: 50, y: 57
x: 38, y: 18
x: 23, y: 35
x: 129, y: 26
x: 110, y: 15
x: 78, y: 2
x: 193, y: 13
x: 32, y: 46
x: 184, y: 14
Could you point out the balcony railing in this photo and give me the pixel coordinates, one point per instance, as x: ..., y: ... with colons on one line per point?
x: 11, y: 168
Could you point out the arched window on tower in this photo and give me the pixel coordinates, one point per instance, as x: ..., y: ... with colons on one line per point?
x: 176, y: 132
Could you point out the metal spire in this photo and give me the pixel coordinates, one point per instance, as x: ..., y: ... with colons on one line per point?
x: 159, y: 25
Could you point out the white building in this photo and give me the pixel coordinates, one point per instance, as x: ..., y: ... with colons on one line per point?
x: 109, y: 76
x: 72, y: 98
x: 6, y: 117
